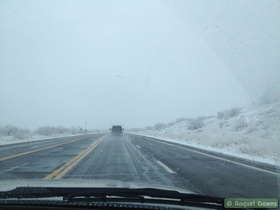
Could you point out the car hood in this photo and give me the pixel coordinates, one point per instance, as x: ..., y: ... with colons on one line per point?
x: 11, y: 184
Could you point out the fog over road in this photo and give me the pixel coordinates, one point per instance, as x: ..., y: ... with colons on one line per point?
x: 133, y: 158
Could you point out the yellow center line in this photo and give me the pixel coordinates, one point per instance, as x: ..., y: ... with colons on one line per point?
x: 36, y: 150
x: 65, y: 168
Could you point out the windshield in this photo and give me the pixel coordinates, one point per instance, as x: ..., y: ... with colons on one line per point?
x: 164, y: 94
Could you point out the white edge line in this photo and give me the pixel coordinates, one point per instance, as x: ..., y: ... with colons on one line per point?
x: 209, y: 155
x: 169, y: 170
x: 138, y: 146
x: 224, y: 159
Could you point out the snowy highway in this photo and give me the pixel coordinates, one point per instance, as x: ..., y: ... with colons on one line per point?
x: 133, y: 158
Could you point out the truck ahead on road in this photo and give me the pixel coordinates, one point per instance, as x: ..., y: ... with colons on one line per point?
x: 117, y: 129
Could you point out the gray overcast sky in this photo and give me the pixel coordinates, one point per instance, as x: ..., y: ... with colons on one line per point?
x: 133, y: 62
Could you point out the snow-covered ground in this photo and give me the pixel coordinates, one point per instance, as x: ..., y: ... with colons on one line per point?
x: 4, y: 140
x: 252, y: 132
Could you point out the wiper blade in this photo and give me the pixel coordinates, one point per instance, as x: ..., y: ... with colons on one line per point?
x: 139, y: 194
x: 40, y: 192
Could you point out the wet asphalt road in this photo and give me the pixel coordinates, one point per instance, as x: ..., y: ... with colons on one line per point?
x: 134, y: 159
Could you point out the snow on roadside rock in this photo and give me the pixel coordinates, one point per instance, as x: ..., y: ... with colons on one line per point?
x: 252, y: 133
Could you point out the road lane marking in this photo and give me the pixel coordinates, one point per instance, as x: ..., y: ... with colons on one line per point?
x: 169, y: 170
x: 219, y: 158
x: 60, y: 172
x: 138, y: 146
x: 36, y: 150
x: 65, y: 168
x: 11, y: 169
x: 15, y: 167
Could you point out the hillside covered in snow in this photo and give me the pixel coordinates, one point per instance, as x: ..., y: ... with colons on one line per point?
x: 252, y: 132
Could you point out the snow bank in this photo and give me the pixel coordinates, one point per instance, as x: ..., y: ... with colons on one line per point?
x: 252, y: 132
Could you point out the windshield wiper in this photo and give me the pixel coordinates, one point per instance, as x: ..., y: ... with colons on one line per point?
x: 142, y: 195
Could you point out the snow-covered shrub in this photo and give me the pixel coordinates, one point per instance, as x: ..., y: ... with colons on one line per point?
x: 50, y: 131
x: 227, y: 114
x: 221, y: 124
x: 74, y: 130
x: 178, y: 120
x: 8, y: 130
x: 240, y: 124
x: 149, y: 128
x: 159, y: 126
x: 44, y: 131
x: 14, y: 131
x: 22, y: 134
x: 170, y: 124
x: 220, y: 115
x: 270, y: 95
x: 195, y: 124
